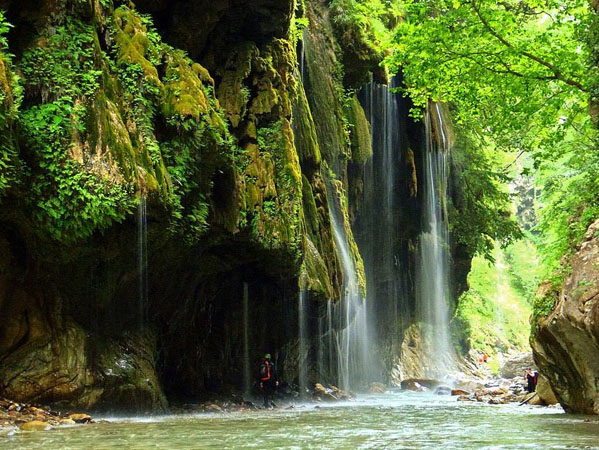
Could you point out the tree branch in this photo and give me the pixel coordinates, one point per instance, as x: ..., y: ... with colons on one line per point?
x: 557, y: 75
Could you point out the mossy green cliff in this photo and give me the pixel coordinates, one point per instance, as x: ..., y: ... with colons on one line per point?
x: 105, y: 109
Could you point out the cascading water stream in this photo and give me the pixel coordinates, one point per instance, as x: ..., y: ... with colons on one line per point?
x: 142, y: 261
x: 303, y: 342
x: 247, y: 374
x: 302, y: 61
x: 378, y: 226
x: 433, y: 259
x: 352, y: 340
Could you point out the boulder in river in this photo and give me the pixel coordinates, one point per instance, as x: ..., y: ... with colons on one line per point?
x: 321, y: 393
x: 419, y: 384
x: 459, y: 392
x: 443, y: 390
x: 377, y: 388
x: 545, y: 394
x: 35, y: 425
x: 515, y: 366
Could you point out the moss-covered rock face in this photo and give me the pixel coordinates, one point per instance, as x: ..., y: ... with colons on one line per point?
x: 155, y: 166
x: 324, y: 88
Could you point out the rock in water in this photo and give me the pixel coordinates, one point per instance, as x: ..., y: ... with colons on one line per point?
x: 544, y: 391
x: 459, y: 392
x: 565, y: 342
x: 515, y: 367
x: 377, y: 388
x: 35, y: 425
x: 80, y: 418
x: 419, y: 384
x: 443, y: 390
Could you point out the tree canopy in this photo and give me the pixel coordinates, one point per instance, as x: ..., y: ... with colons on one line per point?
x: 522, y: 78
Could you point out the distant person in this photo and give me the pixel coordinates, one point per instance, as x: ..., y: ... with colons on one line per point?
x: 268, y: 381
x: 531, y: 380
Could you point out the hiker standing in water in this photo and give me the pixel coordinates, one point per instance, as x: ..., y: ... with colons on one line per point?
x: 268, y: 381
x: 531, y: 380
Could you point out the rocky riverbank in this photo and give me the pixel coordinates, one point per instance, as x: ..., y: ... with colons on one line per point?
x: 28, y: 417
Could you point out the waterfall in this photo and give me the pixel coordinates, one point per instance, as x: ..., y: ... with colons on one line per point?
x: 379, y: 224
x: 303, y: 342
x: 302, y: 61
x: 142, y: 261
x: 352, y: 341
x: 247, y: 373
x: 432, y: 273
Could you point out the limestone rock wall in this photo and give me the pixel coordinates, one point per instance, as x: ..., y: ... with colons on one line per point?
x: 565, y: 341
x: 156, y: 160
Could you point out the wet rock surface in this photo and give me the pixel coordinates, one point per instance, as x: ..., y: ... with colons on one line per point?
x: 28, y: 417
x: 330, y: 394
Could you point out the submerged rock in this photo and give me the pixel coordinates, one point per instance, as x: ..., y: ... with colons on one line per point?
x: 443, y: 390
x: 80, y: 418
x: 35, y: 425
x: 332, y: 393
x: 377, y: 388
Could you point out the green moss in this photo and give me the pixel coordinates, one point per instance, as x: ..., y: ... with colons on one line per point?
x: 232, y: 94
x: 324, y: 88
x: 306, y: 141
x: 184, y: 92
x: 314, y: 273
x: 361, y: 139
x: 341, y: 200
x: 134, y: 45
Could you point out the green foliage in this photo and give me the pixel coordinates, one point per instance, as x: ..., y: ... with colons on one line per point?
x: 492, y: 316
x: 523, y: 267
x: 66, y: 199
x: 195, y: 139
x: 521, y: 77
x: 10, y: 99
x: 297, y: 27
x: 372, y: 18
x: 480, y: 211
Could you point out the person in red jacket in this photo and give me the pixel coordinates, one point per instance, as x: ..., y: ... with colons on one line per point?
x: 268, y: 381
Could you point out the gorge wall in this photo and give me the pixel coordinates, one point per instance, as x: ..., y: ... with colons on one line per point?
x: 564, y: 341
x: 156, y: 159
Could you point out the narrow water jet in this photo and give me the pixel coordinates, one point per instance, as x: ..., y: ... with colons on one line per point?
x: 302, y: 61
x: 303, y: 342
x: 247, y: 374
x: 142, y: 261
x: 432, y: 274
x: 352, y: 342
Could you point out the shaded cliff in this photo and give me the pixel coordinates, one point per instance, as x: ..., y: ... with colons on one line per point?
x: 152, y: 166
x: 157, y: 159
x: 564, y: 340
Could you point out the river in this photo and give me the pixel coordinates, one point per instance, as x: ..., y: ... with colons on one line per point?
x: 394, y: 420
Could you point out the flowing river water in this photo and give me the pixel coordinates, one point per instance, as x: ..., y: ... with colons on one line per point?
x: 393, y: 420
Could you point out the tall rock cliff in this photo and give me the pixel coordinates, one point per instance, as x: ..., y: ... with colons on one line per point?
x: 156, y: 159
x: 565, y: 341
x: 161, y: 164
